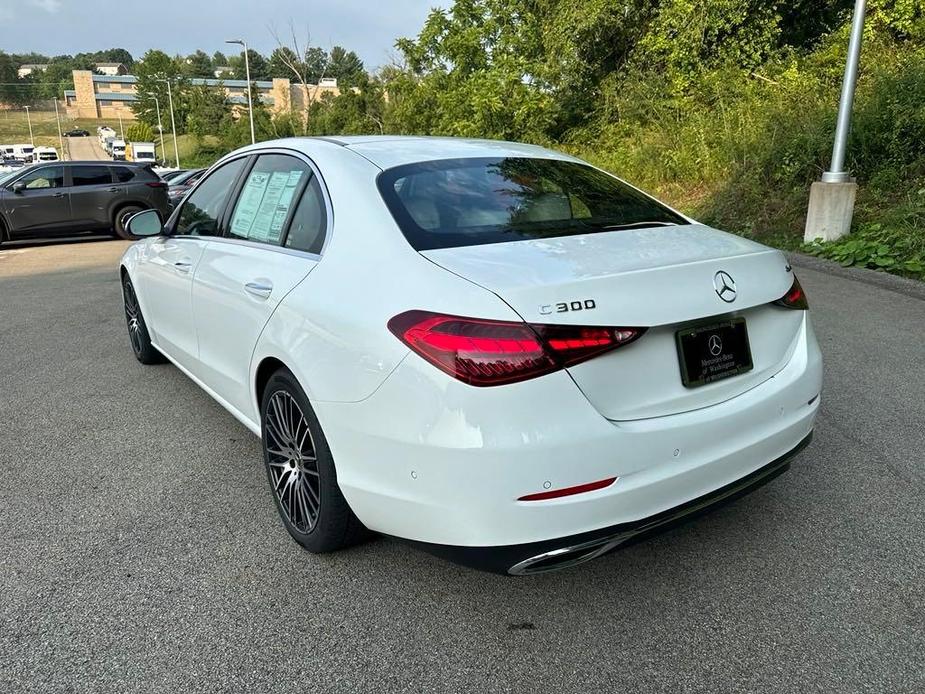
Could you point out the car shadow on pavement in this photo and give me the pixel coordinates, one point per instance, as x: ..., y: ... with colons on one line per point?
x: 53, y: 241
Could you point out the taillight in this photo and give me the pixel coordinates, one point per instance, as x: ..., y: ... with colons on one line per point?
x: 157, y: 184
x: 795, y: 297
x: 490, y: 353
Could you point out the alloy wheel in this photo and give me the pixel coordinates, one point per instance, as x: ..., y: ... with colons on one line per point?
x: 292, y: 463
x: 133, y: 317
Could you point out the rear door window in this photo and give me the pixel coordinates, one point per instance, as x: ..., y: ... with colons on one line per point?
x: 124, y: 174
x: 90, y: 175
x: 307, y: 228
x: 267, y: 198
x: 466, y: 202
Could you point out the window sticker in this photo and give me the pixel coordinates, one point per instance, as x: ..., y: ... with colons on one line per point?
x: 264, y: 205
x: 249, y: 203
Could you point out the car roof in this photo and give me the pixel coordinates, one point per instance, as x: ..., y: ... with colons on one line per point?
x: 387, y: 151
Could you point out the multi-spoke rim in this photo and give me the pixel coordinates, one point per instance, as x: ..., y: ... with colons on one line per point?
x: 132, y: 316
x: 291, y: 458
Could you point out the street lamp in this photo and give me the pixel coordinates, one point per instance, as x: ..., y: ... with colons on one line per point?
x: 58, y: 119
x: 173, y: 124
x: 831, y: 200
x: 160, y: 128
x: 29, y: 120
x: 247, y: 71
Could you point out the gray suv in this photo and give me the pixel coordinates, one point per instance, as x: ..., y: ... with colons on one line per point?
x: 77, y: 196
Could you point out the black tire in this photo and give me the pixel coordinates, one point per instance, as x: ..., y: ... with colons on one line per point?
x: 300, y: 470
x: 121, y: 219
x: 138, y: 335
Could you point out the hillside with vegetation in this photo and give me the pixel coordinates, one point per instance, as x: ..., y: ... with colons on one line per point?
x: 725, y: 108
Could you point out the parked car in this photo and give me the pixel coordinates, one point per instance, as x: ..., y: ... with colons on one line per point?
x: 181, y: 185
x: 24, y: 152
x: 45, y: 154
x: 8, y: 164
x: 171, y: 174
x: 117, y: 150
x: 77, y: 132
x: 493, y: 350
x: 73, y: 197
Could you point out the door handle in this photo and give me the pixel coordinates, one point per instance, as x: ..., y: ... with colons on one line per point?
x: 259, y: 288
x: 59, y: 195
x: 183, y: 265
x: 113, y: 190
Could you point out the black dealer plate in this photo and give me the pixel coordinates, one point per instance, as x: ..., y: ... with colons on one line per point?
x: 713, y: 352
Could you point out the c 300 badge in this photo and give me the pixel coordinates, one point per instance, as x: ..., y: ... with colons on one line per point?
x: 567, y: 306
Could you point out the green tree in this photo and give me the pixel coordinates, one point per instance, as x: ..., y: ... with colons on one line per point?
x: 198, y: 64
x: 219, y: 59
x: 472, y: 71
x: 207, y: 110
x: 346, y: 66
x: 285, y: 63
x: 155, y: 67
x: 139, y: 132
x: 259, y: 66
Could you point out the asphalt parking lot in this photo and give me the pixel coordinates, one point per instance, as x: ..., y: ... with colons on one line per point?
x: 140, y: 550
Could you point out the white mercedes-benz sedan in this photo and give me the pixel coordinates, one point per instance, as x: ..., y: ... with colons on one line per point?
x: 493, y: 350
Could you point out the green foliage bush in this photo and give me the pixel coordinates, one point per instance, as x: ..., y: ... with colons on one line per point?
x: 139, y: 132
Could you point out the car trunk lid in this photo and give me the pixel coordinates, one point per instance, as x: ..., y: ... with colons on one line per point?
x: 658, y: 278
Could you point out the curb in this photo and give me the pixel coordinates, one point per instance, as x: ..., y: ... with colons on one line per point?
x: 893, y: 283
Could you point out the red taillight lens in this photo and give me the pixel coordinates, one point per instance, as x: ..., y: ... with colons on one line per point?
x: 490, y: 353
x: 157, y: 184
x: 795, y: 297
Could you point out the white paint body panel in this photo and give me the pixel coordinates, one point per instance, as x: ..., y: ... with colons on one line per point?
x: 423, y: 456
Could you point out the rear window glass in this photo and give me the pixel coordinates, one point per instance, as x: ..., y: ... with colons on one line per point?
x: 467, y: 202
x: 124, y: 174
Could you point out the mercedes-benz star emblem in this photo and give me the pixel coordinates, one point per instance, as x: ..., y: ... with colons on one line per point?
x: 715, y: 344
x: 725, y: 286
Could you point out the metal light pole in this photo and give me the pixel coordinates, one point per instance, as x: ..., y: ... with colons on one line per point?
x: 121, y: 129
x: 831, y: 200
x: 836, y: 172
x: 173, y: 124
x: 29, y: 120
x: 160, y: 128
x: 247, y: 71
x: 60, y: 137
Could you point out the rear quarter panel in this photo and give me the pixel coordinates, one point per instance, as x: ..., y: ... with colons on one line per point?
x: 331, y: 329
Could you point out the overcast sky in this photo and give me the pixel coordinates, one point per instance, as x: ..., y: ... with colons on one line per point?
x: 55, y: 27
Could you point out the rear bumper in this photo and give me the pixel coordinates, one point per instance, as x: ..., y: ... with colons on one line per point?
x: 567, y: 552
x: 432, y: 460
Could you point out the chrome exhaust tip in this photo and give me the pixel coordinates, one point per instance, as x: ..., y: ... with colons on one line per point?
x: 567, y: 557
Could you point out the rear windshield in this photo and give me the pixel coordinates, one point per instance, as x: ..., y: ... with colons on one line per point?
x: 466, y: 202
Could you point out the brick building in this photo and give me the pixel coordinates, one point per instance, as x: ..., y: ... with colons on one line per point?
x: 106, y: 97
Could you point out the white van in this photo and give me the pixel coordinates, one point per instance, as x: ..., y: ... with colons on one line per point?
x: 23, y: 153
x: 118, y: 150
x: 140, y: 151
x: 105, y: 132
x: 45, y: 154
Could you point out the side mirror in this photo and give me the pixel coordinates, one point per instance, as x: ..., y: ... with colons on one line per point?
x: 19, y: 187
x: 145, y: 223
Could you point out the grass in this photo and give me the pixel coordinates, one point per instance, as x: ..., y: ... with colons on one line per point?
x: 14, y: 128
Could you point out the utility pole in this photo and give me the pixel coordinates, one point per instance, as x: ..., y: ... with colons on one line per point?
x: 29, y: 120
x: 60, y: 137
x: 247, y: 71
x: 173, y: 123
x: 160, y: 128
x: 831, y: 200
x: 121, y: 129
